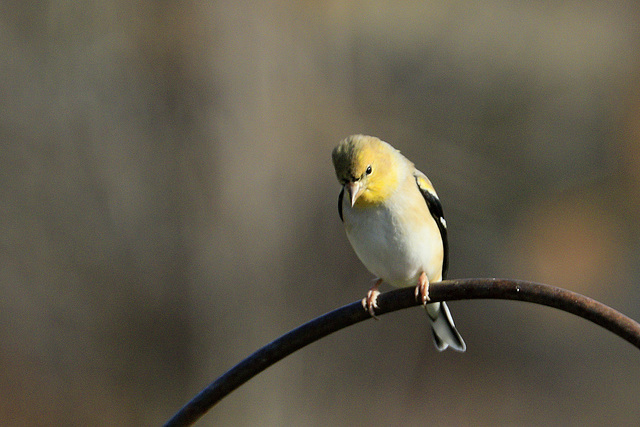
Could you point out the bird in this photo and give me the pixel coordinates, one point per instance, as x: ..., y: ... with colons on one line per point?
x: 394, y: 221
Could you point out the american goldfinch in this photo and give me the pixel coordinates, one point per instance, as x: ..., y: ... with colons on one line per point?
x: 394, y: 221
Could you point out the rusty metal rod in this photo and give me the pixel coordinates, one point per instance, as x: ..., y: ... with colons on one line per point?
x: 398, y: 299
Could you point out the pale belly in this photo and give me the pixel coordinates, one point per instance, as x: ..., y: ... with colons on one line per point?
x: 391, y: 249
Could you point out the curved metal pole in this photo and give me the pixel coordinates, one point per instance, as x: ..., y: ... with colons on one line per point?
x: 398, y: 299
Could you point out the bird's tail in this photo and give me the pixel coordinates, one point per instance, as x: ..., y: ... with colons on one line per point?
x: 444, y: 330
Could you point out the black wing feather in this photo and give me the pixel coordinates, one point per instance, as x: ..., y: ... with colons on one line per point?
x: 435, y: 207
x: 340, y: 204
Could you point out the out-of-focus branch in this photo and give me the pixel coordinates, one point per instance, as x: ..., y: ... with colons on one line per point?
x: 448, y: 290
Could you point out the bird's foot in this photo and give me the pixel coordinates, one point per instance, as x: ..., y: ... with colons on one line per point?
x: 370, y: 302
x: 422, y: 290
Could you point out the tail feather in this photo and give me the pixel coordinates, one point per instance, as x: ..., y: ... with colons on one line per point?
x: 444, y: 330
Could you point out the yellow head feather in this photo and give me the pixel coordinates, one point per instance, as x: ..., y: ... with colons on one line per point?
x: 371, y: 163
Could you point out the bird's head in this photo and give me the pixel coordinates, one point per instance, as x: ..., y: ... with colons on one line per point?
x: 368, y: 168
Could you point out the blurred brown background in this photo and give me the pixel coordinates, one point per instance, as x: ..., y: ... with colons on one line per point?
x: 168, y: 206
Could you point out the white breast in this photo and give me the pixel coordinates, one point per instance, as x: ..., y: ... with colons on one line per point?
x: 396, y: 241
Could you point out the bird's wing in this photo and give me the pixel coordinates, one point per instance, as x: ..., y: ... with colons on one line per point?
x: 340, y: 204
x: 435, y: 207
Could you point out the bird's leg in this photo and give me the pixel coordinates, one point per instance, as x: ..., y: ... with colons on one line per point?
x: 370, y: 302
x: 422, y: 290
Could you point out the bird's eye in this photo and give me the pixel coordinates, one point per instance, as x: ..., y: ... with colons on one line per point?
x: 369, y: 170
